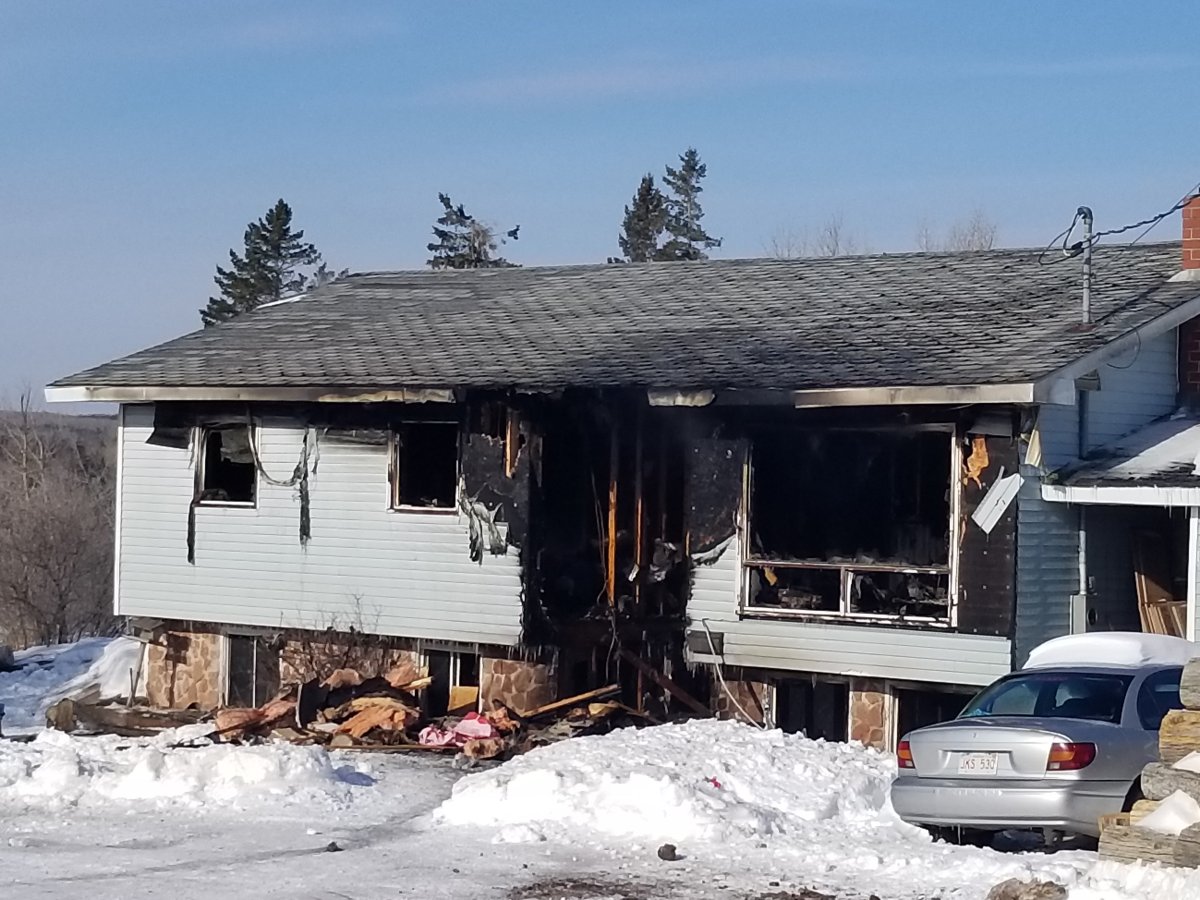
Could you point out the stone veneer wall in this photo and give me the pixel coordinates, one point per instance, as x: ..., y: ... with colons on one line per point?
x: 518, y: 684
x: 870, y: 702
x: 751, y: 693
x: 305, y: 656
x: 183, y: 668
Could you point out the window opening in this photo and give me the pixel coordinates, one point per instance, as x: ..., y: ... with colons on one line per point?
x: 252, y: 670
x: 227, y: 470
x: 917, y: 707
x: 851, y: 522
x: 814, y: 708
x: 426, y: 465
x: 1053, y: 695
x: 455, y: 682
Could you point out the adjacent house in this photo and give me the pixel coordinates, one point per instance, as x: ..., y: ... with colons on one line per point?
x: 835, y: 494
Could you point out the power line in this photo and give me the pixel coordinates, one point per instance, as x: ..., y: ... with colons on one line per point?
x: 1073, y: 250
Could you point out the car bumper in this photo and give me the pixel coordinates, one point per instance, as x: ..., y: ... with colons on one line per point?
x: 1073, y: 806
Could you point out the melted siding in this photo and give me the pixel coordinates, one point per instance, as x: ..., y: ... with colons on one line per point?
x: 877, y: 652
x: 406, y: 574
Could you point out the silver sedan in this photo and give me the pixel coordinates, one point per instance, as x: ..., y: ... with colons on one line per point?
x: 1051, y: 749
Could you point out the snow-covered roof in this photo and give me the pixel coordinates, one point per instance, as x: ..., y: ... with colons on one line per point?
x: 1162, y: 454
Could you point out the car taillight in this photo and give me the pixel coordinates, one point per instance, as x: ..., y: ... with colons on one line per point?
x: 904, y: 755
x: 1068, y: 757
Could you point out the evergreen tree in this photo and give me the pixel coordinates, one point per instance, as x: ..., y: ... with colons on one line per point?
x: 688, y: 238
x: 463, y: 242
x: 270, y: 267
x: 643, y: 223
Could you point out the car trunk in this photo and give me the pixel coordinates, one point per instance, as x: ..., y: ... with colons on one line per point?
x: 986, y: 747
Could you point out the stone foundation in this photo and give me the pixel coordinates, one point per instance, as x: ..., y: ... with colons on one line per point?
x: 518, y: 684
x: 750, y: 693
x: 183, y: 668
x: 870, y: 704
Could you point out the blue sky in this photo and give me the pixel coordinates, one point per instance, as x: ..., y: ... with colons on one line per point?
x: 140, y: 138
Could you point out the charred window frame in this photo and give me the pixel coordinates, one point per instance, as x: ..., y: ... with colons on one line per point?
x: 226, y: 474
x: 424, y: 468
x: 914, y: 584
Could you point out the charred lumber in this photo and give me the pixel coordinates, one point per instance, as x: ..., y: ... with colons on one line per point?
x: 569, y: 702
x: 124, y: 721
x: 665, y: 683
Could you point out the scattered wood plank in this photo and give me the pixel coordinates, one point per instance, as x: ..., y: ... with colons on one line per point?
x: 568, y: 702
x: 1159, y: 782
x: 124, y: 721
x: 665, y: 683
x: 1178, y: 735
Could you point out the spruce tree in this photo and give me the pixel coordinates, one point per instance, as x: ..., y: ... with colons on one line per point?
x: 643, y: 223
x: 688, y: 238
x: 270, y: 267
x: 463, y: 242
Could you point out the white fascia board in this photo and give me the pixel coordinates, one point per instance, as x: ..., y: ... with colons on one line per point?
x: 914, y: 395
x: 1122, y: 495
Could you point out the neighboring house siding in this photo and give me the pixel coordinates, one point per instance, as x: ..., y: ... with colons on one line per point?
x: 395, y: 573
x: 1135, y: 389
x: 836, y: 649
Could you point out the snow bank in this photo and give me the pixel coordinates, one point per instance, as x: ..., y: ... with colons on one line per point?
x: 1116, y: 648
x: 44, y: 670
x: 109, y: 677
x: 58, y: 770
x: 705, y: 780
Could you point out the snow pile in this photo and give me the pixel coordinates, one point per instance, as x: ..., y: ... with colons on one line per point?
x: 704, y: 780
x: 1172, y: 815
x: 1115, y: 648
x: 56, y: 769
x: 43, y: 671
x: 109, y: 677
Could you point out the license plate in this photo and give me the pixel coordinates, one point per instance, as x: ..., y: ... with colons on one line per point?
x: 977, y: 763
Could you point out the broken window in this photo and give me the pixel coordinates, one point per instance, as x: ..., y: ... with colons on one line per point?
x: 227, y: 470
x: 425, y: 465
x: 251, y: 670
x: 851, y: 522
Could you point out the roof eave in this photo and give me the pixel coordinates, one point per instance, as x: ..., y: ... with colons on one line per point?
x: 151, y: 394
x: 1130, y: 494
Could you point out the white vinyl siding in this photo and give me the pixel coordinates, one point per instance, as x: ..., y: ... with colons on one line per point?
x: 388, y: 572
x: 1135, y: 389
x: 874, y: 652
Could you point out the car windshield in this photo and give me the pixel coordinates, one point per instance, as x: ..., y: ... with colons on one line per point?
x: 1053, y: 695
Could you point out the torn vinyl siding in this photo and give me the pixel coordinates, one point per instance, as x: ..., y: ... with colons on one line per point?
x: 1047, y: 539
x: 876, y: 652
x: 1134, y: 390
x: 398, y: 573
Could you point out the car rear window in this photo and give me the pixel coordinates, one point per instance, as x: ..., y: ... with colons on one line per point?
x: 1053, y: 695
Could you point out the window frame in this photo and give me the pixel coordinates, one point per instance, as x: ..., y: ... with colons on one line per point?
x: 227, y: 658
x: 846, y: 571
x: 394, y: 448
x: 201, y: 435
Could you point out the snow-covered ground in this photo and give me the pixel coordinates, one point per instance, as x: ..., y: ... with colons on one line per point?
x: 754, y: 814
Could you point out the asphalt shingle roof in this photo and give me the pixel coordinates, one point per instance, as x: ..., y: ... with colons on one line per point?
x: 991, y: 317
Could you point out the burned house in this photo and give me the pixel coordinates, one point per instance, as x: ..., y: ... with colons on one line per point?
x: 808, y: 492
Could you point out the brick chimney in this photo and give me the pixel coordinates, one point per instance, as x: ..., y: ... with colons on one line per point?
x: 1191, y: 233
x: 1189, y: 332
